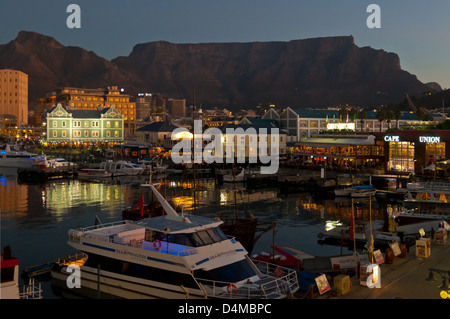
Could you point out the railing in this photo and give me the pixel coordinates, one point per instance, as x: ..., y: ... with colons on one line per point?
x: 31, y: 291
x: 429, y: 186
x: 276, y: 282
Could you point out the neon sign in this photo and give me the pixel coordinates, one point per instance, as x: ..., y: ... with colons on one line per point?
x: 430, y: 139
x: 341, y: 126
x: 392, y: 138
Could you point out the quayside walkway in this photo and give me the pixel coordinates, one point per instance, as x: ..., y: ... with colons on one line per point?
x: 408, y: 278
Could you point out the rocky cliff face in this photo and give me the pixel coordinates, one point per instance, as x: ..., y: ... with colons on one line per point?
x: 51, y: 65
x: 311, y: 72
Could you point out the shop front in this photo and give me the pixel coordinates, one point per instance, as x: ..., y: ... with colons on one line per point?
x: 415, y: 151
x: 341, y: 151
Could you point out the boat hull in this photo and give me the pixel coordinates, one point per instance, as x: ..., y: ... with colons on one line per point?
x: 115, y: 286
x: 413, y: 217
x: 17, y: 163
x: 342, y: 192
x: 363, y: 194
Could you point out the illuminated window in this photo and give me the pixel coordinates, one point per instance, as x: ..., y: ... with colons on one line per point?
x: 401, y: 156
x: 108, y: 133
x: 434, y: 151
x: 64, y: 133
x: 108, y: 124
x: 55, y: 134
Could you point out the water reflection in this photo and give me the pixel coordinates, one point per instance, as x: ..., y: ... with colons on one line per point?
x: 35, y: 218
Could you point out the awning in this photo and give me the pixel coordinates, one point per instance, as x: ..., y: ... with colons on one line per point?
x: 340, y: 141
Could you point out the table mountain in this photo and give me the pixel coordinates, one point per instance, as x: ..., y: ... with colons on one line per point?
x: 311, y: 72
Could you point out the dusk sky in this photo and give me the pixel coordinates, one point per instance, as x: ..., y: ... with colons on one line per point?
x: 418, y: 31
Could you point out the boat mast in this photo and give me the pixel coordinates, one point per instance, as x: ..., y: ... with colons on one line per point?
x: 193, y: 147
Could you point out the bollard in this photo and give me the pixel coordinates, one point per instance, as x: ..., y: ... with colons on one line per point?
x: 389, y: 259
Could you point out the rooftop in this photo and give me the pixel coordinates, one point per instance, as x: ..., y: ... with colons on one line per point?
x: 158, y: 127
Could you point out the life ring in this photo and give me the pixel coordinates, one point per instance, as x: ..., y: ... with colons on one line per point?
x: 157, y: 244
x: 232, y: 289
x: 278, y: 272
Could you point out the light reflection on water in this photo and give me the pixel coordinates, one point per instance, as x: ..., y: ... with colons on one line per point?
x: 35, y: 218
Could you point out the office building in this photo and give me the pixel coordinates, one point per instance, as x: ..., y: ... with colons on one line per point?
x: 14, y: 95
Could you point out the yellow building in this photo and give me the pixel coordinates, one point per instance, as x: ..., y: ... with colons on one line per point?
x: 14, y: 94
x: 92, y: 99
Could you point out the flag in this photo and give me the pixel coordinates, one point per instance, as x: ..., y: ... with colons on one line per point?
x: 352, y: 230
x: 141, y: 205
x: 369, y: 245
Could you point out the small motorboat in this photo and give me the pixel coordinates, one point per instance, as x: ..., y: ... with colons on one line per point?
x: 285, y: 256
x: 363, y: 191
x: 94, y: 173
x: 343, y: 189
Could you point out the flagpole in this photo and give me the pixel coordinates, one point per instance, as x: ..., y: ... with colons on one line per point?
x: 354, y: 241
x: 370, y: 225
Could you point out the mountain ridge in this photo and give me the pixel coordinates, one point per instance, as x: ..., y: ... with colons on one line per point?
x: 321, y: 71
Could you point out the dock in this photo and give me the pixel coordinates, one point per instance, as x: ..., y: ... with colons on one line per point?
x: 406, y: 278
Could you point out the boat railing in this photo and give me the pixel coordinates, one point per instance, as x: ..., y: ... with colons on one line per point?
x: 276, y: 282
x: 32, y: 290
x: 163, y: 247
x: 429, y: 186
x: 100, y: 231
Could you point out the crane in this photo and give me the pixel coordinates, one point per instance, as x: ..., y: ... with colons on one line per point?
x: 411, y: 104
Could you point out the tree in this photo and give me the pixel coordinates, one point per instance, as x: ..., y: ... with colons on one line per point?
x: 397, y: 116
x: 342, y: 114
x: 389, y: 116
x: 362, y: 115
x: 381, y: 116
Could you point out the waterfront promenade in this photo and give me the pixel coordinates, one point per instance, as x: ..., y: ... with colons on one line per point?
x: 406, y: 278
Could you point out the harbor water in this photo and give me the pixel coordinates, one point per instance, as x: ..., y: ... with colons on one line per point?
x: 35, y: 218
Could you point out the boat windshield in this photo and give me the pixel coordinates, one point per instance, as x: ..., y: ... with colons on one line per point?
x: 234, y: 272
x: 197, y: 239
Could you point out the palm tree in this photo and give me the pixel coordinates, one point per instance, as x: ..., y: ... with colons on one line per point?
x: 389, y: 116
x: 381, y: 116
x: 397, y: 116
x: 342, y: 114
x: 362, y: 115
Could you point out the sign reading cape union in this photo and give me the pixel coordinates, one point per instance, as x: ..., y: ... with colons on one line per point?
x: 422, y: 139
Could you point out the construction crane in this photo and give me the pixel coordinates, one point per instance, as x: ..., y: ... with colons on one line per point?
x: 411, y: 104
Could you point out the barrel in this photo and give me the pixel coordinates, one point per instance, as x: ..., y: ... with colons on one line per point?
x: 389, y: 259
x: 403, y: 250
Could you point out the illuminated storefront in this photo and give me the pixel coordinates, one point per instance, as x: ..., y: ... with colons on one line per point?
x: 341, y: 151
x: 415, y: 151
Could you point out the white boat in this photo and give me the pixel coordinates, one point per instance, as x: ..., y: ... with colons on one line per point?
x: 49, y: 162
x: 16, y: 159
x: 363, y: 191
x: 171, y: 256
x: 145, y: 164
x: 121, y: 168
x: 160, y: 167
x: 235, y: 178
x: 343, y: 190
x: 93, y: 173
x: 415, y: 215
x: 428, y: 197
x: 9, y: 284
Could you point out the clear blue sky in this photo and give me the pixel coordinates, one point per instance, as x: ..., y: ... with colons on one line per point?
x: 418, y: 31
